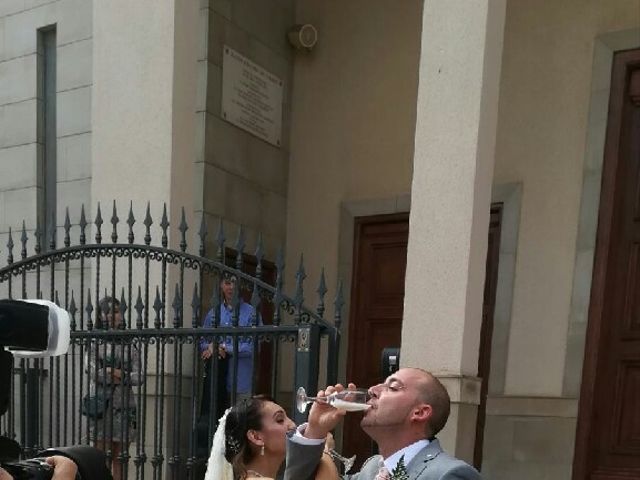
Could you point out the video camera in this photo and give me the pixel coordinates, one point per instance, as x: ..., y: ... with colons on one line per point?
x: 38, y: 329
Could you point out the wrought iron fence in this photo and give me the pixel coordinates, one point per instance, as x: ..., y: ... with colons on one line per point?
x: 163, y: 409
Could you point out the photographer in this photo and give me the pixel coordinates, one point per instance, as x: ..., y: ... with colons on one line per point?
x: 39, y: 329
x: 63, y: 469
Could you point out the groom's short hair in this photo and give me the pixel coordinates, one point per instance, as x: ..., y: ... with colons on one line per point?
x: 433, y: 392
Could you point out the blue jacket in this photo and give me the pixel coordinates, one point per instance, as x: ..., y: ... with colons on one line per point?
x: 245, y: 345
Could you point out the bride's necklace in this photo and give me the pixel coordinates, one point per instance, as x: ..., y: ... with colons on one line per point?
x: 256, y: 474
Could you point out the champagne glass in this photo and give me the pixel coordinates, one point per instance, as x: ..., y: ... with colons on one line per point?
x: 347, y: 462
x: 349, y: 400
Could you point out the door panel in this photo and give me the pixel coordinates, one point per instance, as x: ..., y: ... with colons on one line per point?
x: 608, y: 435
x: 377, y: 299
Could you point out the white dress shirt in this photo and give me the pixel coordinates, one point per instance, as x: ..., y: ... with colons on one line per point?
x: 409, y: 453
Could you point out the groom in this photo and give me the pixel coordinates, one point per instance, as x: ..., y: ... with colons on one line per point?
x: 407, y: 412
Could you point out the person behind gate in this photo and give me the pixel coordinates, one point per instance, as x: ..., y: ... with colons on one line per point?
x: 225, y: 350
x: 113, y: 370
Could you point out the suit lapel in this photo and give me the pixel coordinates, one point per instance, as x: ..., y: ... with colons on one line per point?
x: 421, y: 461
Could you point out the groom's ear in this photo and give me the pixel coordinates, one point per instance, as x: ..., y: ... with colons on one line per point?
x: 422, y: 412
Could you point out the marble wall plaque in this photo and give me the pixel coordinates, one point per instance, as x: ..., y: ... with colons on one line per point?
x: 251, y: 97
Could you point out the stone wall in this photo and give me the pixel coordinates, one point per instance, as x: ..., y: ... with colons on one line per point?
x: 529, y: 438
x: 244, y: 179
x: 20, y: 145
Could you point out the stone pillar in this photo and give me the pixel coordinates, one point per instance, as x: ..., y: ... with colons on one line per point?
x: 143, y: 116
x: 143, y: 106
x: 450, y: 198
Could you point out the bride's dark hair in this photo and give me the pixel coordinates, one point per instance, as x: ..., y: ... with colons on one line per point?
x: 244, y: 416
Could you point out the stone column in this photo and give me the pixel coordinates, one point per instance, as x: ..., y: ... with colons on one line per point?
x: 450, y: 198
x: 143, y: 117
x: 143, y: 105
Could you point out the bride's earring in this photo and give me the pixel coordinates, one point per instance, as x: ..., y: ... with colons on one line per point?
x: 262, y: 450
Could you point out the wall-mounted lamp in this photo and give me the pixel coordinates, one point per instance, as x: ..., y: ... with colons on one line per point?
x: 303, y: 36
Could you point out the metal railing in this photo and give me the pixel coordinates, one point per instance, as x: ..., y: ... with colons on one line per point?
x: 161, y: 413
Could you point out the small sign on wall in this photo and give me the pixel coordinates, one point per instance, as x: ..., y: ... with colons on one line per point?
x: 251, y: 97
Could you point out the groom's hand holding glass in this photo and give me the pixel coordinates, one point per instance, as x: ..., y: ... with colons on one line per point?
x: 323, y: 417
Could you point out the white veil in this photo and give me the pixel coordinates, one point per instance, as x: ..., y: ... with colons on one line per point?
x: 218, y: 468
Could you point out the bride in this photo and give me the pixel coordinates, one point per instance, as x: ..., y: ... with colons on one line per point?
x: 250, y: 443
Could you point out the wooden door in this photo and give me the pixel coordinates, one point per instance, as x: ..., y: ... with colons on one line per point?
x: 486, y: 332
x: 377, y: 301
x: 608, y: 433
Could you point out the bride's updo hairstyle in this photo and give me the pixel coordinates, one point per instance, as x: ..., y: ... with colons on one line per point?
x: 244, y: 416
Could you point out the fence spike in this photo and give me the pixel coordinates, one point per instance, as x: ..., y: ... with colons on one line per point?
x: 67, y: 228
x: 338, y: 304
x: 220, y: 242
x: 202, y: 233
x: 73, y: 310
x: 89, y: 310
x: 157, y: 306
x: 114, y: 222
x: 277, y: 296
x: 147, y: 223
x: 177, y: 307
x: 195, y: 306
x: 255, y: 303
x: 139, y: 306
x: 98, y: 222
x: 130, y: 221
x: 123, y: 310
x: 214, y: 303
x: 259, y: 255
x: 280, y: 264
x: 235, y: 304
x: 52, y: 237
x: 10, y: 247
x: 83, y: 226
x: 164, y: 224
x: 38, y: 236
x: 322, y: 291
x: 240, y: 244
x: 183, y: 227
x: 300, y: 276
x: 23, y: 241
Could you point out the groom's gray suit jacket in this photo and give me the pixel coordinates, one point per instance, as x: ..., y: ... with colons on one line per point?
x: 431, y: 463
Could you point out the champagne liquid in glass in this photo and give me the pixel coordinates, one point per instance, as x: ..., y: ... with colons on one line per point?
x: 348, y: 400
x: 347, y: 405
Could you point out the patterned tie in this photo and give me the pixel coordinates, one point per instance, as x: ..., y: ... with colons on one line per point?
x: 383, y: 473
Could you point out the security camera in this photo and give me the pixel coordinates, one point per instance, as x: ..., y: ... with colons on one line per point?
x: 303, y: 36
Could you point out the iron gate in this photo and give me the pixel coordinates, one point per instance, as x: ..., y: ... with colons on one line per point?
x: 163, y: 294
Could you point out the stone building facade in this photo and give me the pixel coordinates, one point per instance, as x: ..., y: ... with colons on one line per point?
x: 432, y: 109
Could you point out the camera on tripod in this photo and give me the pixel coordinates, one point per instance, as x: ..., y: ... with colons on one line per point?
x: 37, y: 329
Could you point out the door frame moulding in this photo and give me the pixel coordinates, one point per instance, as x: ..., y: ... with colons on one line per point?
x: 510, y: 195
x: 604, y: 48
